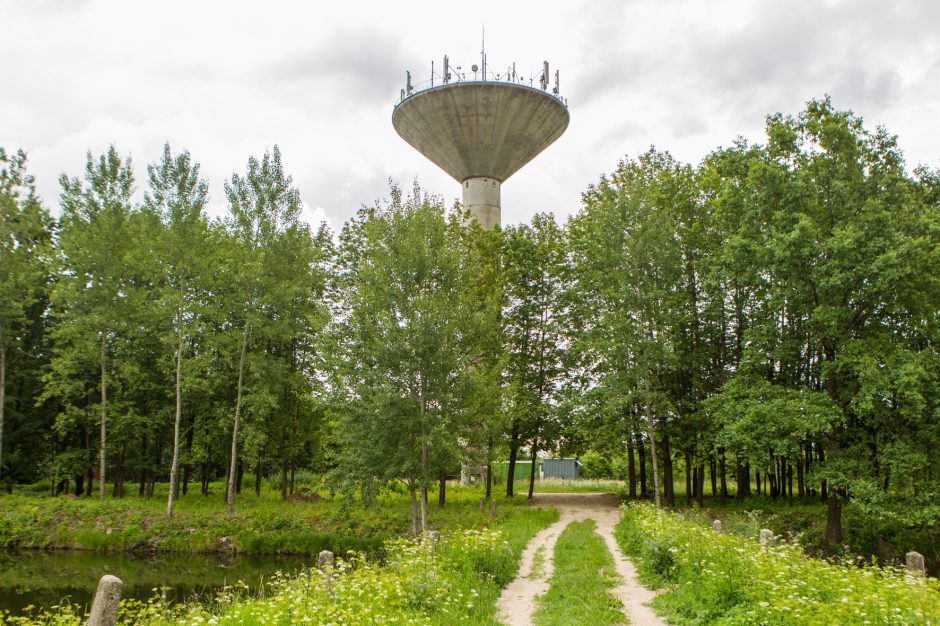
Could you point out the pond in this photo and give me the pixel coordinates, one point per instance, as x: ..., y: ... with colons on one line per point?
x: 45, y: 579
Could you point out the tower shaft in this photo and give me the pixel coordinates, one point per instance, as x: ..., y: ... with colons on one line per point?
x: 481, y: 198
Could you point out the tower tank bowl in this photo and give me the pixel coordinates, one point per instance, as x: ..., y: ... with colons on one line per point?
x: 480, y: 129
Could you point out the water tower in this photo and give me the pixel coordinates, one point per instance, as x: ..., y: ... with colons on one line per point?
x: 482, y: 129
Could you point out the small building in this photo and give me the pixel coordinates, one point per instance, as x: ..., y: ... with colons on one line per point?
x: 561, y: 468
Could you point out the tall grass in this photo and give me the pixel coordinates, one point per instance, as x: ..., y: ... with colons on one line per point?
x: 718, y: 578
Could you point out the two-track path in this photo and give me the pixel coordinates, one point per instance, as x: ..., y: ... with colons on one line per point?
x: 517, y: 602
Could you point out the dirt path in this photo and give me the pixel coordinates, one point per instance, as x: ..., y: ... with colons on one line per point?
x: 517, y: 603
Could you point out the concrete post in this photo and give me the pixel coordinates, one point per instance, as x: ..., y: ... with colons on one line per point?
x: 716, y: 525
x: 325, y: 561
x: 766, y: 537
x: 104, y: 608
x: 915, y: 563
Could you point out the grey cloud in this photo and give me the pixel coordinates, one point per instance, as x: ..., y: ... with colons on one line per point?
x: 364, y: 64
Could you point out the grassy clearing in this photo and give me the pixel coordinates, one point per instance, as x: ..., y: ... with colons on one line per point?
x: 580, y: 586
x: 458, y: 582
x: 719, y: 578
x: 261, y: 524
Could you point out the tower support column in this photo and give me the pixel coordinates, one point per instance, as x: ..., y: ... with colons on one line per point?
x: 481, y: 198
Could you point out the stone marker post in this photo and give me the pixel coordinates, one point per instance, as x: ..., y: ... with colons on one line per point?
x: 104, y: 608
x: 915, y: 563
x: 325, y: 562
x: 766, y: 537
x: 716, y: 525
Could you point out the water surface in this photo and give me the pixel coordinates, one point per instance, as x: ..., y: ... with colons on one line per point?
x: 45, y: 579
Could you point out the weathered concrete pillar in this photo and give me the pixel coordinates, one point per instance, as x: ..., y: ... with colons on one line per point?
x: 766, y: 537
x: 481, y: 197
x: 915, y: 563
x: 325, y: 559
x: 104, y: 608
x: 716, y: 525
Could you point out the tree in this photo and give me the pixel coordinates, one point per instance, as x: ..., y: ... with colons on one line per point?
x: 263, y: 205
x: 25, y: 246
x: 89, y: 299
x: 407, y: 333
x: 177, y: 198
x: 534, y: 258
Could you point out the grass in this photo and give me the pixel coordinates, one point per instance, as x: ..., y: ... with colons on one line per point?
x: 261, y: 524
x: 538, y: 563
x: 580, y: 585
x: 721, y: 578
x: 456, y: 582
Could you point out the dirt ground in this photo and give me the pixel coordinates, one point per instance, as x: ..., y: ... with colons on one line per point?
x: 517, y: 602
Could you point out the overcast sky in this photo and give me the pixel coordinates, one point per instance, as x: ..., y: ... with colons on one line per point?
x: 226, y: 80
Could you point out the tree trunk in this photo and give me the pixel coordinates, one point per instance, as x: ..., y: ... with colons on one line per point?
x: 631, y: 468
x: 834, y: 520
x: 513, y: 451
x: 239, y: 474
x: 690, y: 478
x: 104, y: 415
x: 700, y: 486
x: 293, y: 471
x: 442, y: 489
x: 284, y: 480
x: 757, y: 479
x: 185, y: 482
x: 712, y: 471
x: 414, y: 507
x: 668, y: 483
x: 258, y: 479
x: 230, y: 492
x: 532, y: 469
x: 723, y: 478
x: 652, y: 433
x: 800, y: 483
x: 175, y: 463
x: 641, y: 450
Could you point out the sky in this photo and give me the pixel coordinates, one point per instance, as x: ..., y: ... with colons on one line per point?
x: 230, y: 79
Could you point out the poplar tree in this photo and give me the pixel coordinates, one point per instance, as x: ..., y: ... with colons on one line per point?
x: 89, y: 298
x: 177, y: 198
x: 25, y: 246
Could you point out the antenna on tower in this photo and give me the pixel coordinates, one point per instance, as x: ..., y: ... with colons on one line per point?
x: 446, y: 70
x: 543, y: 79
x: 557, y: 89
x: 408, y: 87
x: 483, y: 53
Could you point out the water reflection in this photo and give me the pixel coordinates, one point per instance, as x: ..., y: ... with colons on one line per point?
x: 45, y: 579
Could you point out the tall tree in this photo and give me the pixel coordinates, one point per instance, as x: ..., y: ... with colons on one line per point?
x: 177, y: 198
x: 25, y: 246
x: 535, y: 281
x: 263, y: 205
x: 89, y: 298
x: 406, y: 331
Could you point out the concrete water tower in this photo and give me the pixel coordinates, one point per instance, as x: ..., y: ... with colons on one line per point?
x: 481, y: 130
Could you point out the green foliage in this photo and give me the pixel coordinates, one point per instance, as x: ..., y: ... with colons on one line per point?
x: 595, y: 465
x: 716, y: 578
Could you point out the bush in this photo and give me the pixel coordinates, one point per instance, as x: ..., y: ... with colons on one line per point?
x: 595, y: 465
